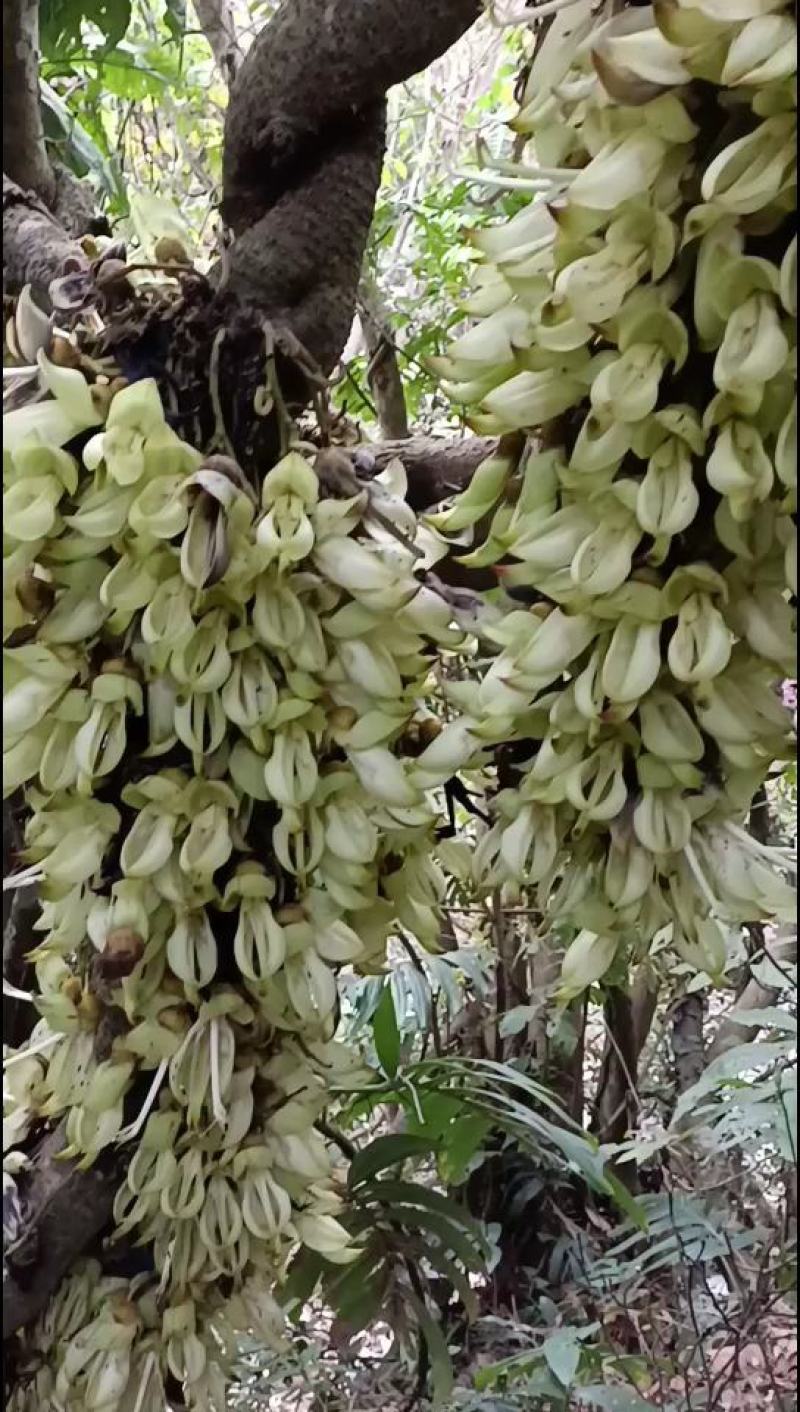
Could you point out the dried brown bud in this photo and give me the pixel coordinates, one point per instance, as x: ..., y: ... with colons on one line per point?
x: 335, y: 472
x: 101, y: 395
x: 168, y: 250
x: 226, y: 466
x: 290, y: 914
x: 121, y: 666
x: 123, y: 1311
x: 113, y: 275
x: 123, y: 948
x: 429, y: 729
x: 89, y: 1010
x: 35, y: 594
x: 72, y: 989
x: 64, y: 353
x: 342, y: 718
x: 175, y: 1018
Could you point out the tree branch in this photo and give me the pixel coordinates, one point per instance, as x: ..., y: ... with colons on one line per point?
x: 436, y: 469
x: 36, y: 247
x: 383, y: 373
x: 64, y: 1210
x: 25, y: 158
x: 218, y: 26
x: 304, y: 142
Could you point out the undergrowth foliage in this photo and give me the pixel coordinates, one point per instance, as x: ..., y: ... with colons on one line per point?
x: 225, y: 705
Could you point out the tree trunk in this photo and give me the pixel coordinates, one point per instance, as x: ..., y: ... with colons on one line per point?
x: 24, y: 156
x: 687, y: 1041
x: 383, y: 374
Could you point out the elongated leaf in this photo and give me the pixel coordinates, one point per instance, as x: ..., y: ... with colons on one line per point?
x: 451, y: 1272
x: 386, y: 1034
x: 460, y: 1142
x: 303, y: 1277
x: 453, y: 1238
x: 357, y: 1293
x: 614, y: 1399
x: 514, y: 1021
x: 771, y: 1018
x: 80, y: 148
x: 414, y: 1195
x: 386, y: 1152
x: 562, y: 1353
x: 441, y: 1367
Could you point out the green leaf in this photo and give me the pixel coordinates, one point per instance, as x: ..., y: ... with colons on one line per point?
x: 78, y: 148
x: 386, y: 1152
x: 626, y: 1201
x: 411, y: 1193
x: 453, y: 1238
x: 175, y: 18
x: 562, y: 1353
x: 61, y: 22
x: 357, y: 1293
x: 613, y: 1399
x: 514, y: 1021
x: 454, y: 1275
x: 460, y: 1141
x: 441, y: 1367
x: 386, y: 1035
x: 771, y: 1018
x: 302, y: 1279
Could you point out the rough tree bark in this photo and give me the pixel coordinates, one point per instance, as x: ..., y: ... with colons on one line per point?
x: 44, y: 207
x: 304, y: 142
x: 687, y: 1041
x: 435, y: 468
x: 303, y: 150
x: 25, y: 159
x: 628, y: 1018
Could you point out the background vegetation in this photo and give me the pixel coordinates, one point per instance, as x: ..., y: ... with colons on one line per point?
x: 551, y: 1292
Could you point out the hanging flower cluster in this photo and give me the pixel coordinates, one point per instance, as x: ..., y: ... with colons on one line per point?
x: 206, y: 698
x: 641, y: 310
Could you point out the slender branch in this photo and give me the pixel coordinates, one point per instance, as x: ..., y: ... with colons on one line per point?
x: 383, y: 373
x: 219, y: 27
x: 436, y: 469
